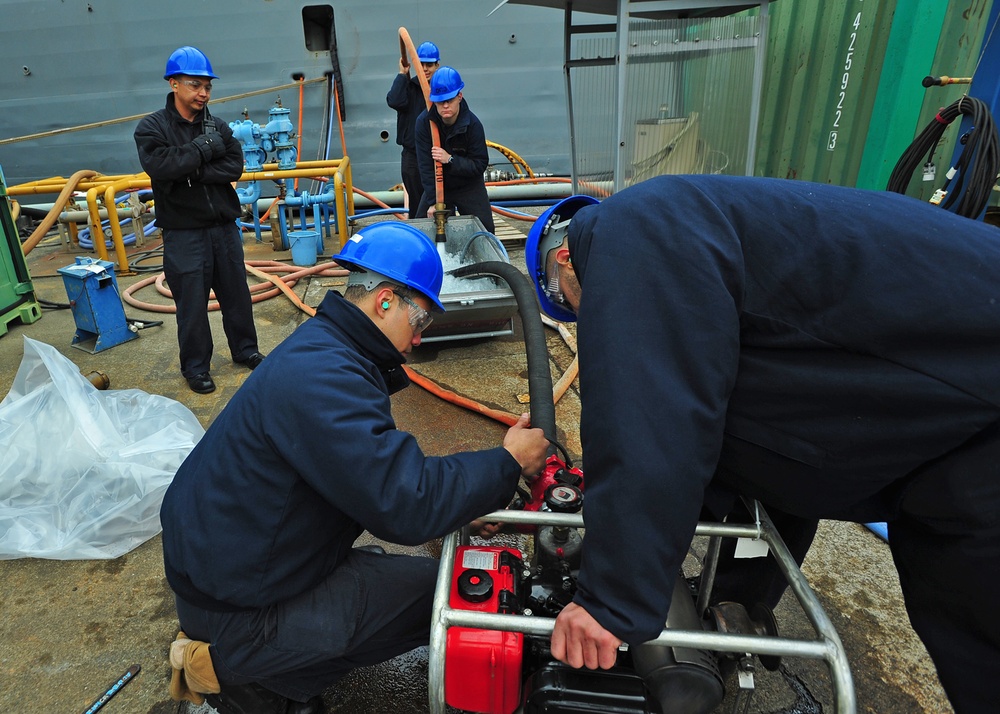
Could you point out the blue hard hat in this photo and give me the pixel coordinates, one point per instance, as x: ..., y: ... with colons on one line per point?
x: 428, y: 52
x: 445, y: 84
x: 190, y: 61
x: 398, y: 252
x: 547, y: 233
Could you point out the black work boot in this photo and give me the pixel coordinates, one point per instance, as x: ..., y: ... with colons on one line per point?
x: 255, y: 699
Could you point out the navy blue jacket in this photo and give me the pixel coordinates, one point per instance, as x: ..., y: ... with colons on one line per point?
x: 854, y: 334
x: 306, y: 456
x: 407, y: 97
x: 191, y: 190
x: 465, y: 140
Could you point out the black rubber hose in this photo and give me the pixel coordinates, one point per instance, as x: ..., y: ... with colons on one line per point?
x: 543, y: 410
x: 976, y: 167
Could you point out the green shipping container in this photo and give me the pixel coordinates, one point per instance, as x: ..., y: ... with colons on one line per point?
x: 843, y: 96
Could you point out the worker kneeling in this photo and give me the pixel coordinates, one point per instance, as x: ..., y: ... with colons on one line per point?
x: 260, y: 521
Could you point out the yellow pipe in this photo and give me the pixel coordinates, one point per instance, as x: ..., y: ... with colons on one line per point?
x: 340, y: 202
x: 349, y: 188
x: 342, y: 185
x: 511, y: 156
x: 340, y: 169
x: 93, y: 209
x: 55, y: 185
x: 285, y: 173
x: 139, y: 181
x: 96, y: 232
x: 322, y: 164
x: 56, y: 209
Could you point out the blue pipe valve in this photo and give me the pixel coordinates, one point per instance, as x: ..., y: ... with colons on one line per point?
x: 250, y: 138
x: 278, y: 137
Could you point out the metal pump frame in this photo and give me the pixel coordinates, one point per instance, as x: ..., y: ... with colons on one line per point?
x: 826, y: 646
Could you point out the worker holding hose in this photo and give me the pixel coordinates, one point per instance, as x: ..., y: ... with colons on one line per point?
x: 259, y: 523
x: 463, y: 153
x: 831, y: 352
x: 407, y: 98
x: 192, y: 160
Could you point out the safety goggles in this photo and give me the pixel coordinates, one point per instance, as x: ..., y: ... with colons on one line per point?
x: 198, y: 86
x: 420, y: 319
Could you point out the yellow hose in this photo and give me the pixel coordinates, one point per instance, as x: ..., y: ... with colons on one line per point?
x: 511, y: 156
x: 56, y: 209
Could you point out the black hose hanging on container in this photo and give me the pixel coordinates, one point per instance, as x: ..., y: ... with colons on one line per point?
x: 543, y: 410
x: 976, y: 168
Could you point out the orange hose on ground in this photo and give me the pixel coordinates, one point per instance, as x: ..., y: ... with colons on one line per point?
x: 457, y: 399
x: 573, y: 370
x: 283, y: 287
x: 569, y: 376
x: 259, y: 292
x: 57, y: 208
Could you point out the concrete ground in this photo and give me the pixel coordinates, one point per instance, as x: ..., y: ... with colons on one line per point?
x: 71, y: 628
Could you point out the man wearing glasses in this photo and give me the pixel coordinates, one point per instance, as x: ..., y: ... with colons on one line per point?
x: 192, y: 160
x: 260, y: 521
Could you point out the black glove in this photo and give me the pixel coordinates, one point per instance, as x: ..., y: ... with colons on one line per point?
x: 211, y: 146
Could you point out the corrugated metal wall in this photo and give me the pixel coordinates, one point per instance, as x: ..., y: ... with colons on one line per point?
x: 842, y: 96
x: 688, y: 86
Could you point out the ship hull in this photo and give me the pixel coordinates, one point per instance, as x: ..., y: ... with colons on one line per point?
x: 68, y: 65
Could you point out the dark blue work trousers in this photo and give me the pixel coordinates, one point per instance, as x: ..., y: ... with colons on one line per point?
x: 197, y: 262
x: 410, y: 174
x: 373, y: 607
x: 944, y: 535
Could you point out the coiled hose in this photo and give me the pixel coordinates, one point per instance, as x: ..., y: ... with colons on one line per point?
x: 976, y: 168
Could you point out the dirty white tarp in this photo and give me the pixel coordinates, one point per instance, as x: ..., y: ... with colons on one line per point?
x: 83, y: 471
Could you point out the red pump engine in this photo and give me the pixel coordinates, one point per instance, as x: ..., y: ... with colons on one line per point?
x: 558, y: 488
x: 484, y: 666
x: 496, y: 672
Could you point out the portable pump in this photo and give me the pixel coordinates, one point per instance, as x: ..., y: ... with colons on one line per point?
x: 491, y: 671
x: 495, y: 672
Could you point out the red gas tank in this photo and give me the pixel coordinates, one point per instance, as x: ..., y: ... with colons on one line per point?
x: 483, y: 667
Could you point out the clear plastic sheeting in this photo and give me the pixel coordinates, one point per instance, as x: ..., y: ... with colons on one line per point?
x: 83, y: 471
